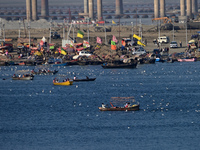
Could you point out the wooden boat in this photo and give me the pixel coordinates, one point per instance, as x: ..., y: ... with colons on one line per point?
x: 87, y: 79
x: 63, y: 83
x: 23, y: 78
x: 117, y: 101
x: 132, y: 108
x: 187, y: 60
x: 44, y: 72
x: 122, y: 65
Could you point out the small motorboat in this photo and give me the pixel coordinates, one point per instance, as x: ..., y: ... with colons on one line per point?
x: 26, y: 77
x: 122, y: 65
x: 131, y: 108
x: 119, y: 101
x: 87, y: 79
x: 63, y: 83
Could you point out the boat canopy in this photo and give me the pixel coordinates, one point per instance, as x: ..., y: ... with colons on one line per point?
x: 119, y: 101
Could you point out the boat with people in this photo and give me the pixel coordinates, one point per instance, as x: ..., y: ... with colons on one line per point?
x: 86, y: 79
x: 121, y: 100
x: 131, y: 108
x: 65, y: 82
x: 23, y: 77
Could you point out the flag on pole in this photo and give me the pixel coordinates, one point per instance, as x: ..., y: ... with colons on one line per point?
x: 113, y: 45
x: 114, y: 39
x: 80, y: 34
x: 113, y: 22
x: 137, y: 37
x: 140, y: 43
x: 42, y: 41
x: 63, y: 51
x: 99, y: 40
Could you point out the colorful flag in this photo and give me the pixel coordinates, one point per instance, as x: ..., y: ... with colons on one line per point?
x: 113, y: 22
x: 41, y: 43
x: 43, y: 39
x: 86, y: 43
x: 115, y: 39
x: 137, y: 37
x: 63, y: 51
x: 80, y: 34
x: 113, y: 45
x: 99, y: 40
x: 140, y: 43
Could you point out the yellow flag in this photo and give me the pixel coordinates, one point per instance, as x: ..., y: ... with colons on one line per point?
x: 63, y: 52
x: 140, y: 43
x: 137, y: 37
x: 79, y: 35
x: 113, y: 22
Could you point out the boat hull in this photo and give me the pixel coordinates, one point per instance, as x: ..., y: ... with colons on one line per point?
x: 63, y: 83
x: 80, y: 80
x: 133, y: 108
x: 23, y: 78
x: 187, y: 60
x: 120, y: 66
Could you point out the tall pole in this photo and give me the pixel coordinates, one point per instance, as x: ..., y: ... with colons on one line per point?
x: 119, y: 30
x: 186, y: 34
x: 88, y: 31
x: 141, y: 29
x: 159, y: 32
x: 132, y: 32
x: 4, y: 37
x: 173, y: 29
x: 50, y: 31
x: 29, y: 27
x: 64, y: 29
x: 0, y: 28
x: 73, y: 32
x: 19, y: 27
x: 105, y: 33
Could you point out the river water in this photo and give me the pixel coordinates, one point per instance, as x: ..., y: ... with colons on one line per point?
x: 36, y: 115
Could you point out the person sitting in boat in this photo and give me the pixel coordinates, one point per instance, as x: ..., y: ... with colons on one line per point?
x: 87, y: 77
x: 67, y: 79
x: 54, y: 80
x: 14, y: 75
x: 32, y: 71
x: 103, y: 105
x: 74, y: 77
x: 19, y: 75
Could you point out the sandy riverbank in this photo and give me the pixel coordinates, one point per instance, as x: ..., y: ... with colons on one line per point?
x: 149, y: 32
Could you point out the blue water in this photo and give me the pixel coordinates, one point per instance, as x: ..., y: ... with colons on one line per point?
x: 36, y: 115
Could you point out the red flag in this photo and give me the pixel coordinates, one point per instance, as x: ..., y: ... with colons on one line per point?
x: 114, y: 39
x: 41, y: 43
x: 99, y: 40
